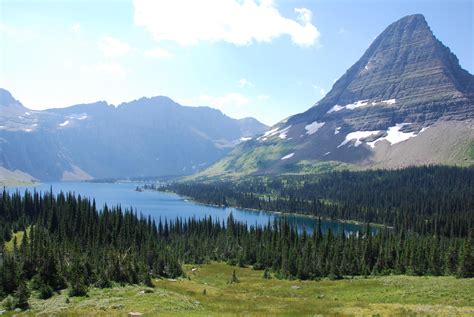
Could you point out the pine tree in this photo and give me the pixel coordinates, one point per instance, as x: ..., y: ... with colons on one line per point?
x: 22, y: 294
x: 266, y: 274
x: 234, y: 278
x: 466, y: 260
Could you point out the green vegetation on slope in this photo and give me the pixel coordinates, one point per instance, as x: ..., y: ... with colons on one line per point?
x: 241, y: 162
x: 254, y: 295
x: 18, y: 236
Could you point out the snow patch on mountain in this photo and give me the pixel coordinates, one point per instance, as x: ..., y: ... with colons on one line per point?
x: 80, y: 116
x: 360, y: 103
x: 423, y: 130
x: 283, y: 132
x: 394, y: 135
x: 357, y: 136
x: 357, y: 104
x: 335, y: 108
x: 389, y: 101
x: 268, y: 134
x: 288, y: 156
x: 65, y: 123
x: 314, y: 127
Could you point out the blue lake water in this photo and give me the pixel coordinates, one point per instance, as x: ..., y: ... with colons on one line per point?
x: 170, y: 206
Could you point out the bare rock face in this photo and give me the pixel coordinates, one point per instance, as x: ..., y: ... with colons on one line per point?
x: 377, y: 114
x: 406, y: 75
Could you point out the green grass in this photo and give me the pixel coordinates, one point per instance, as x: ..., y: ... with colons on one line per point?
x: 253, y: 295
x: 19, y: 239
x: 320, y: 167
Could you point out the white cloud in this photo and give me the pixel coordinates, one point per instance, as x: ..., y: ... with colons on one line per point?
x: 237, y: 22
x: 229, y: 100
x: 243, y: 83
x: 342, y: 31
x: 263, y: 97
x: 76, y: 27
x: 104, y: 68
x: 304, y: 15
x: 112, y: 47
x: 158, y: 52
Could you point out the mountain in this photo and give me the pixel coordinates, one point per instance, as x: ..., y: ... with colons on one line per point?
x: 145, y: 137
x: 406, y: 101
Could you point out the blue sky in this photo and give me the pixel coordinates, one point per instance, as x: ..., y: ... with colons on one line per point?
x: 266, y: 59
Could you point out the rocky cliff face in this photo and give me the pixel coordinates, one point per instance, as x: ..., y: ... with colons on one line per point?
x: 406, y: 83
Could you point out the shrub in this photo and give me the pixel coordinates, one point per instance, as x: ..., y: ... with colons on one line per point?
x: 45, y: 291
x: 10, y: 302
x: 22, y: 294
x: 77, y: 289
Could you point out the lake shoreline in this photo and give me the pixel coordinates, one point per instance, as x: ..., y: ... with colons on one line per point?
x: 294, y: 214
x: 162, y: 205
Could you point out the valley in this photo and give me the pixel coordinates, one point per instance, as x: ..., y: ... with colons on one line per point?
x: 359, y: 204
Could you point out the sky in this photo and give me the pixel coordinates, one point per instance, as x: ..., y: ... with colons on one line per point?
x: 265, y: 59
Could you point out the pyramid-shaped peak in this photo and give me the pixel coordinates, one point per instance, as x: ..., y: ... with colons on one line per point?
x: 406, y: 71
x: 411, y: 28
x: 415, y: 19
x: 405, y: 62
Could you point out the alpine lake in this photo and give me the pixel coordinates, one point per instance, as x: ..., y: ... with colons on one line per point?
x: 166, y: 206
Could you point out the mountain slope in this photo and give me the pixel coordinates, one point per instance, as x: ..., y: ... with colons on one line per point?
x: 146, y: 137
x: 406, y: 101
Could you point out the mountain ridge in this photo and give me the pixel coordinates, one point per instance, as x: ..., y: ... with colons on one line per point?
x: 144, y: 137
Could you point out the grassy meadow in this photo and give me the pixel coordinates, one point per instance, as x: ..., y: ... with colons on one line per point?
x: 208, y: 292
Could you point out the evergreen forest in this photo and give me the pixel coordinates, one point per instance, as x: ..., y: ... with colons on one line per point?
x: 66, y: 242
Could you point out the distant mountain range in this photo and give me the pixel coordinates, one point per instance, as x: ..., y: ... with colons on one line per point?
x: 146, y: 137
x: 406, y: 101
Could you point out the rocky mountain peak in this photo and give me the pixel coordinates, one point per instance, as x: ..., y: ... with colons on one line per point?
x: 407, y: 74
